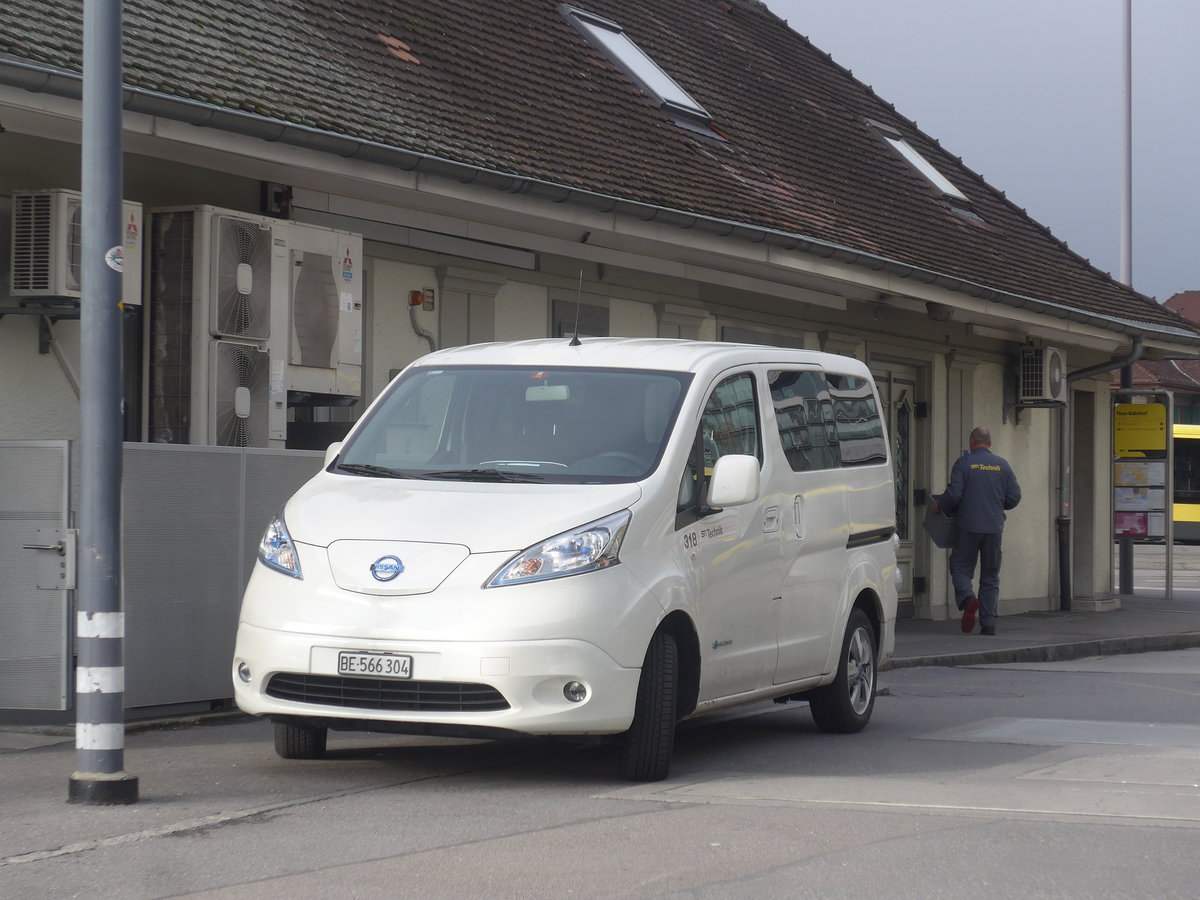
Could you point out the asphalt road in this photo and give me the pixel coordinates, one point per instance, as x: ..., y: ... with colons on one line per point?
x: 1075, y: 779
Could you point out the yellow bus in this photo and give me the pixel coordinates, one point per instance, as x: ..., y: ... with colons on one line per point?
x: 1185, y: 504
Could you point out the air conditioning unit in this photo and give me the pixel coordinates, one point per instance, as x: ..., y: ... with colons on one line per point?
x: 1043, y: 376
x: 278, y: 301
x: 47, y: 245
x: 217, y: 279
x: 322, y: 343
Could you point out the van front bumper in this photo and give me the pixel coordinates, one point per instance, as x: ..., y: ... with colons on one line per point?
x: 516, y: 686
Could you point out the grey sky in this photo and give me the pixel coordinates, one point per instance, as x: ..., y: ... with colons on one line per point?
x: 1029, y: 94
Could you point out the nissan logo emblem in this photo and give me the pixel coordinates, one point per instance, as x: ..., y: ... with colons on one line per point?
x: 386, y: 568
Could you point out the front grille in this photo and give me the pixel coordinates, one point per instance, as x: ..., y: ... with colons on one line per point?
x: 386, y: 694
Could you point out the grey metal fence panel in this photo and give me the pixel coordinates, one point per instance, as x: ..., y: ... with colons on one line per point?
x: 271, y: 477
x: 192, y: 519
x: 35, y: 628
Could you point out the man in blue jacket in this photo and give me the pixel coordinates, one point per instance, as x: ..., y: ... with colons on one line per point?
x: 982, y: 486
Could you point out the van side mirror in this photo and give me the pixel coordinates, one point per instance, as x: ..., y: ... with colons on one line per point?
x: 734, y: 481
x: 331, y: 452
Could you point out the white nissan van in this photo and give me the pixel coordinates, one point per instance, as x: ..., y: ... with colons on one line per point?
x: 589, y: 538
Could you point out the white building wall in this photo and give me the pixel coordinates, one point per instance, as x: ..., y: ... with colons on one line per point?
x: 38, y: 402
x: 629, y: 318
x: 1029, y: 550
x: 391, y: 342
x: 522, y: 311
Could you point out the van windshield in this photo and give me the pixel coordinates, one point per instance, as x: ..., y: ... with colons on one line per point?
x: 501, y: 423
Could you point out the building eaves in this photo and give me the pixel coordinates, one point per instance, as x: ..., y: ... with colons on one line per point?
x: 513, y: 98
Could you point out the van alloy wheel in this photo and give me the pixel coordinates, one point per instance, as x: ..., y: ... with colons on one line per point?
x: 844, y: 705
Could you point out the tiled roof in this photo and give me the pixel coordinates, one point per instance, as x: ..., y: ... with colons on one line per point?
x: 1186, y: 303
x: 512, y: 87
x: 1180, y: 375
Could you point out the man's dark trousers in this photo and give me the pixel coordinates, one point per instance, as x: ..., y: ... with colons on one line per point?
x: 971, y: 547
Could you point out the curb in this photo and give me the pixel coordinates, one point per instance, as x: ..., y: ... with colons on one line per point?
x: 1054, y: 652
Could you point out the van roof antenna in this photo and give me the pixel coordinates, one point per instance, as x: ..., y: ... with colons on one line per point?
x: 578, y: 299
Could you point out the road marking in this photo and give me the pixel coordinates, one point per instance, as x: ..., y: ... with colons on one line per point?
x: 1024, y: 794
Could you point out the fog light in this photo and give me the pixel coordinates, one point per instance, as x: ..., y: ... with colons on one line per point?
x: 243, y: 671
x: 575, y: 691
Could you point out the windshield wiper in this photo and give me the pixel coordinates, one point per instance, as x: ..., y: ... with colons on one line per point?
x: 482, y: 475
x: 372, y: 470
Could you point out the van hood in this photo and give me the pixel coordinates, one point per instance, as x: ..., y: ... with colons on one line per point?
x: 483, y: 517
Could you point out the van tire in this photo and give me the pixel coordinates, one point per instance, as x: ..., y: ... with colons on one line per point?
x: 844, y: 705
x: 300, y: 741
x: 646, y: 753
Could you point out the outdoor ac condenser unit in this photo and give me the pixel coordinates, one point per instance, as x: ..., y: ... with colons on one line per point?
x: 218, y: 279
x: 47, y: 245
x: 1043, y: 376
x: 322, y: 343
x: 271, y: 313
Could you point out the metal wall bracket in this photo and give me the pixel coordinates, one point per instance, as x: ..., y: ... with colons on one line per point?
x: 50, y: 309
x: 1017, y: 407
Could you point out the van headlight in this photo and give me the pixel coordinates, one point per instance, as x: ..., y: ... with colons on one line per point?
x: 278, y: 551
x: 583, y: 549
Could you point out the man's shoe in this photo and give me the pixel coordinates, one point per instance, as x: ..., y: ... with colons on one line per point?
x: 969, y: 611
x: 987, y: 629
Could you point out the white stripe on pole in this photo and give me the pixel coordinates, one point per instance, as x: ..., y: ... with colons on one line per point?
x: 100, y: 625
x: 100, y: 680
x: 90, y: 736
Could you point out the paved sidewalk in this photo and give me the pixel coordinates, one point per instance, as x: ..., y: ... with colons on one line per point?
x: 1145, y: 621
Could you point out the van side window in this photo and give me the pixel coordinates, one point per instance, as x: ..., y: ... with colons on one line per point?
x: 730, y: 420
x: 729, y: 424
x: 856, y: 417
x: 804, y: 414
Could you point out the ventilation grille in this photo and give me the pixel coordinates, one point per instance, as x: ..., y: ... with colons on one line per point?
x: 34, y: 238
x: 386, y: 695
x: 243, y: 283
x: 314, y: 311
x: 169, y: 388
x: 31, y: 242
x: 241, y: 398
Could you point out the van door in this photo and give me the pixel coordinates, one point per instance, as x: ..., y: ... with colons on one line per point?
x: 813, y: 569
x: 731, y: 555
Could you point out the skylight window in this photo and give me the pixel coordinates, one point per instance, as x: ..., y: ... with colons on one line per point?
x: 920, y: 163
x: 611, y: 39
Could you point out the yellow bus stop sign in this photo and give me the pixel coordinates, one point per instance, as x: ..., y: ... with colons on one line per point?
x: 1139, y: 428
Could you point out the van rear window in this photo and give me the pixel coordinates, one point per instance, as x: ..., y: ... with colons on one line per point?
x: 856, y: 418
